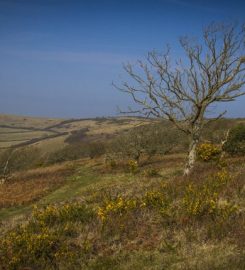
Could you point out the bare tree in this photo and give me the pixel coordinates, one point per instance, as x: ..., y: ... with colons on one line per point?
x: 5, y: 173
x: 212, y: 71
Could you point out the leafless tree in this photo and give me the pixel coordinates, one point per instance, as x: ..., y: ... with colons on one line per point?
x: 5, y: 173
x: 182, y: 91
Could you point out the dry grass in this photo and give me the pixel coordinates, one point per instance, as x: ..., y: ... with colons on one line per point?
x: 26, y: 121
x: 23, y: 135
x: 26, y: 187
x: 144, y: 221
x: 159, y: 235
x: 51, y: 145
x: 97, y: 129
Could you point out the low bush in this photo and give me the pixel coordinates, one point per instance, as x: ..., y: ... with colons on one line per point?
x: 149, y: 140
x: 208, y: 152
x: 44, y: 241
x: 69, y: 212
x: 174, y: 217
x: 155, y: 199
x: 76, y: 151
x: 235, y: 144
x: 116, y: 206
x: 206, y: 201
x: 45, y: 249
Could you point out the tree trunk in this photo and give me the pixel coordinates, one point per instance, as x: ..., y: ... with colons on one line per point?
x: 191, y: 158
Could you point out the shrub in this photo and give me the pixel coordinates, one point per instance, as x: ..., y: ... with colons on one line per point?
x: 117, y: 206
x: 199, y: 202
x: 220, y: 179
x: 235, y: 144
x: 96, y: 149
x: 155, y: 199
x: 77, y: 136
x: 215, y: 130
x: 208, y: 151
x: 69, y: 212
x: 41, y: 250
x: 133, y: 166
x: 149, y: 140
x: 76, y: 151
x: 69, y: 152
x: 44, y: 242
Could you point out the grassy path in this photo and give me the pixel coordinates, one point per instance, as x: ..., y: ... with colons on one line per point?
x: 73, y: 188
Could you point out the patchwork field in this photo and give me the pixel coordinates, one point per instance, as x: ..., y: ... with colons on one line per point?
x: 18, y: 131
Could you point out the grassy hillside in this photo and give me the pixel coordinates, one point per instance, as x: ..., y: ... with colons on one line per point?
x: 116, y: 213
x: 44, y: 132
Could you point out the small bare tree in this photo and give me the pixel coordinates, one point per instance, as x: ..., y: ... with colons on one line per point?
x: 212, y: 71
x: 5, y: 172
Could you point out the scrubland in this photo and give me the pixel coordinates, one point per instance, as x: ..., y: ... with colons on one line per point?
x: 124, y: 204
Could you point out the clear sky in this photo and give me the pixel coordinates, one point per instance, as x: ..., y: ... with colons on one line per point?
x: 59, y: 57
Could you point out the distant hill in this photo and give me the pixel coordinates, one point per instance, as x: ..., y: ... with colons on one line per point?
x: 52, y: 133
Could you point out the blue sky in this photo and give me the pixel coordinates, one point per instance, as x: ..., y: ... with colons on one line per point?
x: 58, y: 58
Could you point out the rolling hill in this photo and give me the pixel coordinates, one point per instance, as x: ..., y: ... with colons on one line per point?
x: 51, y: 134
x: 95, y: 213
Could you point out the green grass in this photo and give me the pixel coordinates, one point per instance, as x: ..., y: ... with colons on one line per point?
x: 84, y: 180
x: 11, y: 212
x: 158, y: 231
x: 74, y: 186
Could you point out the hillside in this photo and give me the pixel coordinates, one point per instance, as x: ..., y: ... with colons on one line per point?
x: 110, y: 211
x: 50, y: 134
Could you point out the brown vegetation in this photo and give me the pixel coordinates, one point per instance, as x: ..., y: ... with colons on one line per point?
x: 120, y: 213
x: 26, y: 187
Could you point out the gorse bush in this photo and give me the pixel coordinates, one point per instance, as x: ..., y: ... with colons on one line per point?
x: 199, y: 202
x: 220, y: 179
x: 43, y: 243
x: 154, y: 199
x: 117, y: 206
x: 122, y: 205
x: 235, y: 144
x: 164, y: 215
x: 24, y: 248
x: 205, y: 200
x: 208, y: 151
x: 45, y: 249
x: 71, y: 212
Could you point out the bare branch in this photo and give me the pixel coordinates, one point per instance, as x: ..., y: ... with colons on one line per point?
x: 214, y: 72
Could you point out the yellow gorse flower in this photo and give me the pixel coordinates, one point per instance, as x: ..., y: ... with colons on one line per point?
x: 118, y: 206
x: 208, y: 151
